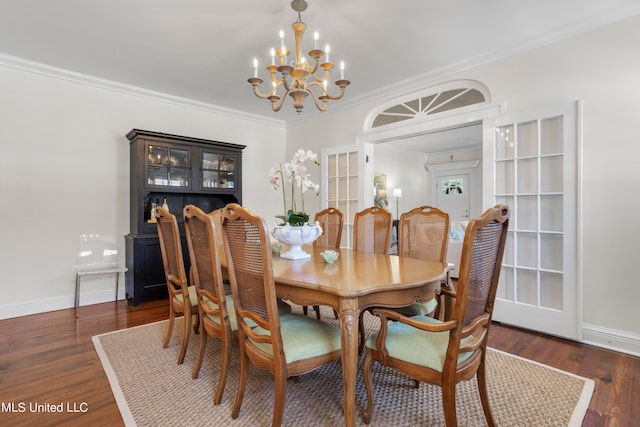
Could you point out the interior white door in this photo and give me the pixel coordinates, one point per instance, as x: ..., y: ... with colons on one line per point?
x: 341, y: 175
x: 531, y: 164
x: 452, y: 195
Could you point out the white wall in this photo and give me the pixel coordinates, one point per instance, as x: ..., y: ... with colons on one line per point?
x: 601, y: 68
x: 64, y: 169
x: 403, y: 170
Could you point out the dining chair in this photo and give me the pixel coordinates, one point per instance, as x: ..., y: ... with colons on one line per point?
x: 423, y: 234
x: 444, y: 353
x: 331, y: 221
x: 182, y: 297
x: 215, y: 304
x: 286, y: 345
x: 372, y: 229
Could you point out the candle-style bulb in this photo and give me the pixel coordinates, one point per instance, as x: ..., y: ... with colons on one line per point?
x: 341, y: 70
x: 255, y: 67
x: 315, y: 40
x: 327, y: 49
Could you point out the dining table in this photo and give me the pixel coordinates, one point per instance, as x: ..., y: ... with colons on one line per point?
x: 354, y: 282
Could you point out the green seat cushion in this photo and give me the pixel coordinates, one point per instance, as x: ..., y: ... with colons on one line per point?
x: 303, y: 337
x: 230, y: 310
x: 418, y: 308
x: 193, y: 296
x: 283, y: 308
x: 419, y: 347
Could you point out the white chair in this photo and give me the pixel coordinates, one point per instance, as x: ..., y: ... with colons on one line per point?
x: 97, y: 254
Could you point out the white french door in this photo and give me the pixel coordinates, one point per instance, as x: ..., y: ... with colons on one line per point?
x: 342, y: 172
x: 531, y: 163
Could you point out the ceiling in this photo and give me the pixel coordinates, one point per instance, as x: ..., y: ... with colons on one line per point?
x: 201, y: 51
x: 463, y: 137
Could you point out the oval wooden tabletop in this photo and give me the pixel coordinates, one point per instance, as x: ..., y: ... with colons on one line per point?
x: 356, y: 273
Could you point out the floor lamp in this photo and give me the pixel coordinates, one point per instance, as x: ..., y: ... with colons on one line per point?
x: 397, y: 193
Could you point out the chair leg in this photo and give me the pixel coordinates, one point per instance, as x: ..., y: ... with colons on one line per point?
x: 196, y: 327
x: 368, y: 384
x: 186, y: 333
x: 279, y: 396
x: 484, y: 395
x: 449, y: 403
x: 172, y: 318
x: 77, y: 299
x: 317, y: 309
x: 242, y: 382
x: 203, y: 344
x: 224, y: 371
x: 305, y: 309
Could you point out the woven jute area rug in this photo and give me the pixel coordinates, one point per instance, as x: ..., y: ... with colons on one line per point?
x: 151, y: 389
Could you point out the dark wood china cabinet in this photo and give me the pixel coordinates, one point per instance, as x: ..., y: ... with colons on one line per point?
x: 176, y: 170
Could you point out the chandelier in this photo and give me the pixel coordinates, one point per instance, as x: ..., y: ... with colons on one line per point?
x: 299, y: 78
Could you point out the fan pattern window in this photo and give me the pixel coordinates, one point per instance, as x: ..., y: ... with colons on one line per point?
x: 433, y: 103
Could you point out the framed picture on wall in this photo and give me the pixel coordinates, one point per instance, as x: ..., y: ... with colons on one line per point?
x: 380, y: 190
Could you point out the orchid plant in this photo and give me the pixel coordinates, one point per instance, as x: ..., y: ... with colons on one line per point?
x: 295, y: 175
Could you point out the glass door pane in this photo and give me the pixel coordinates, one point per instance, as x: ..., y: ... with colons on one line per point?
x: 340, y: 186
x: 167, y: 166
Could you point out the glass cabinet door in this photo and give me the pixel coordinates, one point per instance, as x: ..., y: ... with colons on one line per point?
x: 218, y: 170
x: 167, y: 166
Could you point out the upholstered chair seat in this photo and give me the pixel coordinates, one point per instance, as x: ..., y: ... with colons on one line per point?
x: 418, y: 347
x: 302, y: 338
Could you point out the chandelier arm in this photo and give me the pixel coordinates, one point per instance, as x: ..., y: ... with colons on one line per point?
x: 312, y: 70
x: 278, y: 107
x: 342, y: 84
x: 322, y: 107
x: 334, y: 97
x: 255, y: 82
x: 317, y: 84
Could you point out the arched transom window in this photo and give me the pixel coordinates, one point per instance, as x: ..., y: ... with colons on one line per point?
x: 450, y: 96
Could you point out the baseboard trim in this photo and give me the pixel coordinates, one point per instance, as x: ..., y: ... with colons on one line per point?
x: 43, y: 306
x: 611, y: 339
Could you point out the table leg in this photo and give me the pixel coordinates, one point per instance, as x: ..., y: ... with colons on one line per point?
x: 349, y: 329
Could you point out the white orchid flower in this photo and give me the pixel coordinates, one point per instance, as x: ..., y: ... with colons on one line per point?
x: 295, y: 173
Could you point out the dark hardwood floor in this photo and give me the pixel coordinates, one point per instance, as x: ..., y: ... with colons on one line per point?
x: 49, y: 358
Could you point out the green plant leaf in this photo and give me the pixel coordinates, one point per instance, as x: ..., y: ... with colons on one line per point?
x: 297, y: 218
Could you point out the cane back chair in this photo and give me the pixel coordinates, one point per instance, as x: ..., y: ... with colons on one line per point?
x: 286, y: 345
x: 215, y: 304
x: 372, y: 229
x: 331, y: 221
x: 182, y: 297
x: 446, y: 352
x: 423, y: 234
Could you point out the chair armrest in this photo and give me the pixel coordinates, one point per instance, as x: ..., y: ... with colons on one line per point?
x: 387, y: 315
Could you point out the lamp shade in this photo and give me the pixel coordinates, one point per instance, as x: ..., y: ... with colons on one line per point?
x: 397, y: 192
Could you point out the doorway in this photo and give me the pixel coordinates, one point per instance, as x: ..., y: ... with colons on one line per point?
x: 455, y: 189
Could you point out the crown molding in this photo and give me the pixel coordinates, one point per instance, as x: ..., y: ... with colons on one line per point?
x: 72, y: 76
